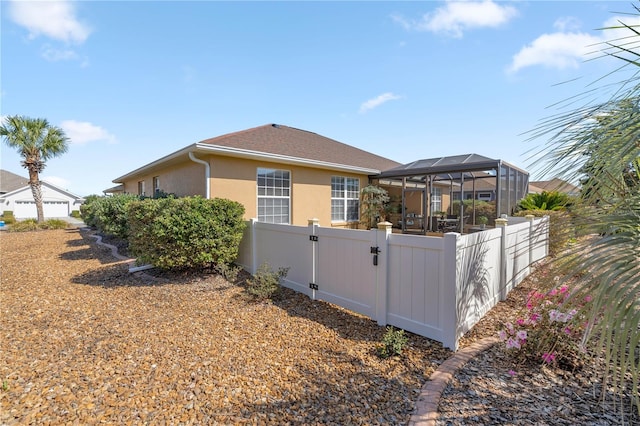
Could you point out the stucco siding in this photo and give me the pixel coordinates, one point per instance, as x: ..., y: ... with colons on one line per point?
x: 183, y: 179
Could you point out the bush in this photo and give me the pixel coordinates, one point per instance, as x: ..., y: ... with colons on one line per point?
x: 550, y: 329
x: 483, y: 208
x: 265, y: 283
x: 108, y: 214
x: 552, y: 200
x: 184, y: 233
x: 88, y: 208
x: 76, y: 214
x: 33, y: 225
x: 393, y: 343
x: 54, y: 224
x: 24, y: 226
x: 8, y: 218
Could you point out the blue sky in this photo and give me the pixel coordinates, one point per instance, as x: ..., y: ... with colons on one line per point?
x: 130, y: 82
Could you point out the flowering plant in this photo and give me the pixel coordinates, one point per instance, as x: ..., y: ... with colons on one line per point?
x: 550, y: 329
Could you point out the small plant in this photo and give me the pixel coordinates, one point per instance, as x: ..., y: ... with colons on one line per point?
x: 393, y: 343
x: 482, y: 221
x: 5, y: 385
x: 8, y: 218
x: 265, y: 283
x: 76, y: 214
x: 550, y: 330
x: 228, y: 271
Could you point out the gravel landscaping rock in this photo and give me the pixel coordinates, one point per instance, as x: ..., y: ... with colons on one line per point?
x: 85, y: 342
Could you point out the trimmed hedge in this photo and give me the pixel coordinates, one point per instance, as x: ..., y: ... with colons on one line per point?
x: 108, y: 214
x: 182, y: 233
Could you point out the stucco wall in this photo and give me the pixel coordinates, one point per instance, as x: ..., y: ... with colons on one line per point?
x: 235, y: 179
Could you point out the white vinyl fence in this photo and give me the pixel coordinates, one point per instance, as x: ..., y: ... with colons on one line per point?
x: 437, y: 287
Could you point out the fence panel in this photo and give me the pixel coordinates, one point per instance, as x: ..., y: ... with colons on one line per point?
x: 346, y: 275
x: 286, y: 246
x: 517, y: 254
x: 414, y: 284
x: 479, y: 277
x: 540, y: 239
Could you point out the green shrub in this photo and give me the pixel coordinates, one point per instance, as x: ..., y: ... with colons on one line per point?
x: 229, y: 271
x: 88, y: 208
x: 8, y: 218
x: 24, y: 226
x: 109, y: 214
x: 76, y: 214
x: 266, y: 282
x: 393, y: 343
x: 182, y: 233
x: 552, y: 200
x: 54, y: 224
x: 482, y: 208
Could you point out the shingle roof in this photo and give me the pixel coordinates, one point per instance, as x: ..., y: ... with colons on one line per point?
x: 289, y: 141
x: 556, y: 184
x: 11, y: 181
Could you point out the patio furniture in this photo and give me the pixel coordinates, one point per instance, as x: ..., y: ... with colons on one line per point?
x: 448, y: 224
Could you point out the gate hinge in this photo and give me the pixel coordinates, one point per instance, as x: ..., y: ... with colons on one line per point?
x: 313, y: 237
x: 375, y: 250
x: 313, y: 286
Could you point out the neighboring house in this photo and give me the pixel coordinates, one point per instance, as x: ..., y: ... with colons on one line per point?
x: 280, y: 174
x: 16, y: 196
x: 555, y: 184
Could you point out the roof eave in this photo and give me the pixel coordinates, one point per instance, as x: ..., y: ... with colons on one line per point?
x: 283, y: 159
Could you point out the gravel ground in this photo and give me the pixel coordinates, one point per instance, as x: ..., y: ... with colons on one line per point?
x: 85, y: 342
x: 484, y: 392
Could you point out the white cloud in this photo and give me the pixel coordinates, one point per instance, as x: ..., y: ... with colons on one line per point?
x: 52, y: 54
x: 568, y: 47
x: 82, y: 132
x: 54, y: 19
x: 377, y: 101
x: 557, y: 50
x: 456, y: 17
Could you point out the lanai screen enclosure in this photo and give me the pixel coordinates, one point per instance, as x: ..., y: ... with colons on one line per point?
x: 466, y: 177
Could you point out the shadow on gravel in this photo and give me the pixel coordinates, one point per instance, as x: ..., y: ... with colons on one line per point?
x: 112, y: 276
x: 363, y: 397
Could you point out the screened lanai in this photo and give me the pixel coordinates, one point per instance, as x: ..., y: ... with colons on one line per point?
x: 453, y: 193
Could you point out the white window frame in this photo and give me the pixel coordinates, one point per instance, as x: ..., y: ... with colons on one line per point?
x: 346, y: 197
x: 156, y: 184
x: 268, y: 190
x: 436, y: 199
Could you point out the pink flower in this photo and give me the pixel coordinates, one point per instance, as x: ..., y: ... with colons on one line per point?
x: 509, y: 327
x: 567, y: 330
x: 513, y: 343
x: 564, y: 289
x: 588, y: 298
x: 535, y: 317
x: 520, y: 321
x: 512, y: 373
x: 502, y: 335
x: 548, y: 357
x: 522, y: 335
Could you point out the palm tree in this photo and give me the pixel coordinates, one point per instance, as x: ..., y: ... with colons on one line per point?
x: 36, y: 141
x: 599, y: 143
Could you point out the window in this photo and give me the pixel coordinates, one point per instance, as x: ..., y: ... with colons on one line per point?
x: 274, y: 188
x: 345, y: 199
x: 156, y: 184
x: 141, y: 187
x: 436, y: 200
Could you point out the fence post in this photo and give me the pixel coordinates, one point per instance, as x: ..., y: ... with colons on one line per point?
x: 313, y: 230
x: 530, y: 218
x: 254, y: 245
x: 381, y: 238
x: 450, y: 290
x: 502, y: 223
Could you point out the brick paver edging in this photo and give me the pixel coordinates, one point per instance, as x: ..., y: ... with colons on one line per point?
x: 426, y: 412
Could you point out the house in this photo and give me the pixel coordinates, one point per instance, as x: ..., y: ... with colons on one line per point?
x: 280, y: 174
x: 16, y: 196
x: 555, y: 184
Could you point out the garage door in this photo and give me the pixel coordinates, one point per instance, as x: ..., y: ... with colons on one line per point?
x: 26, y: 209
